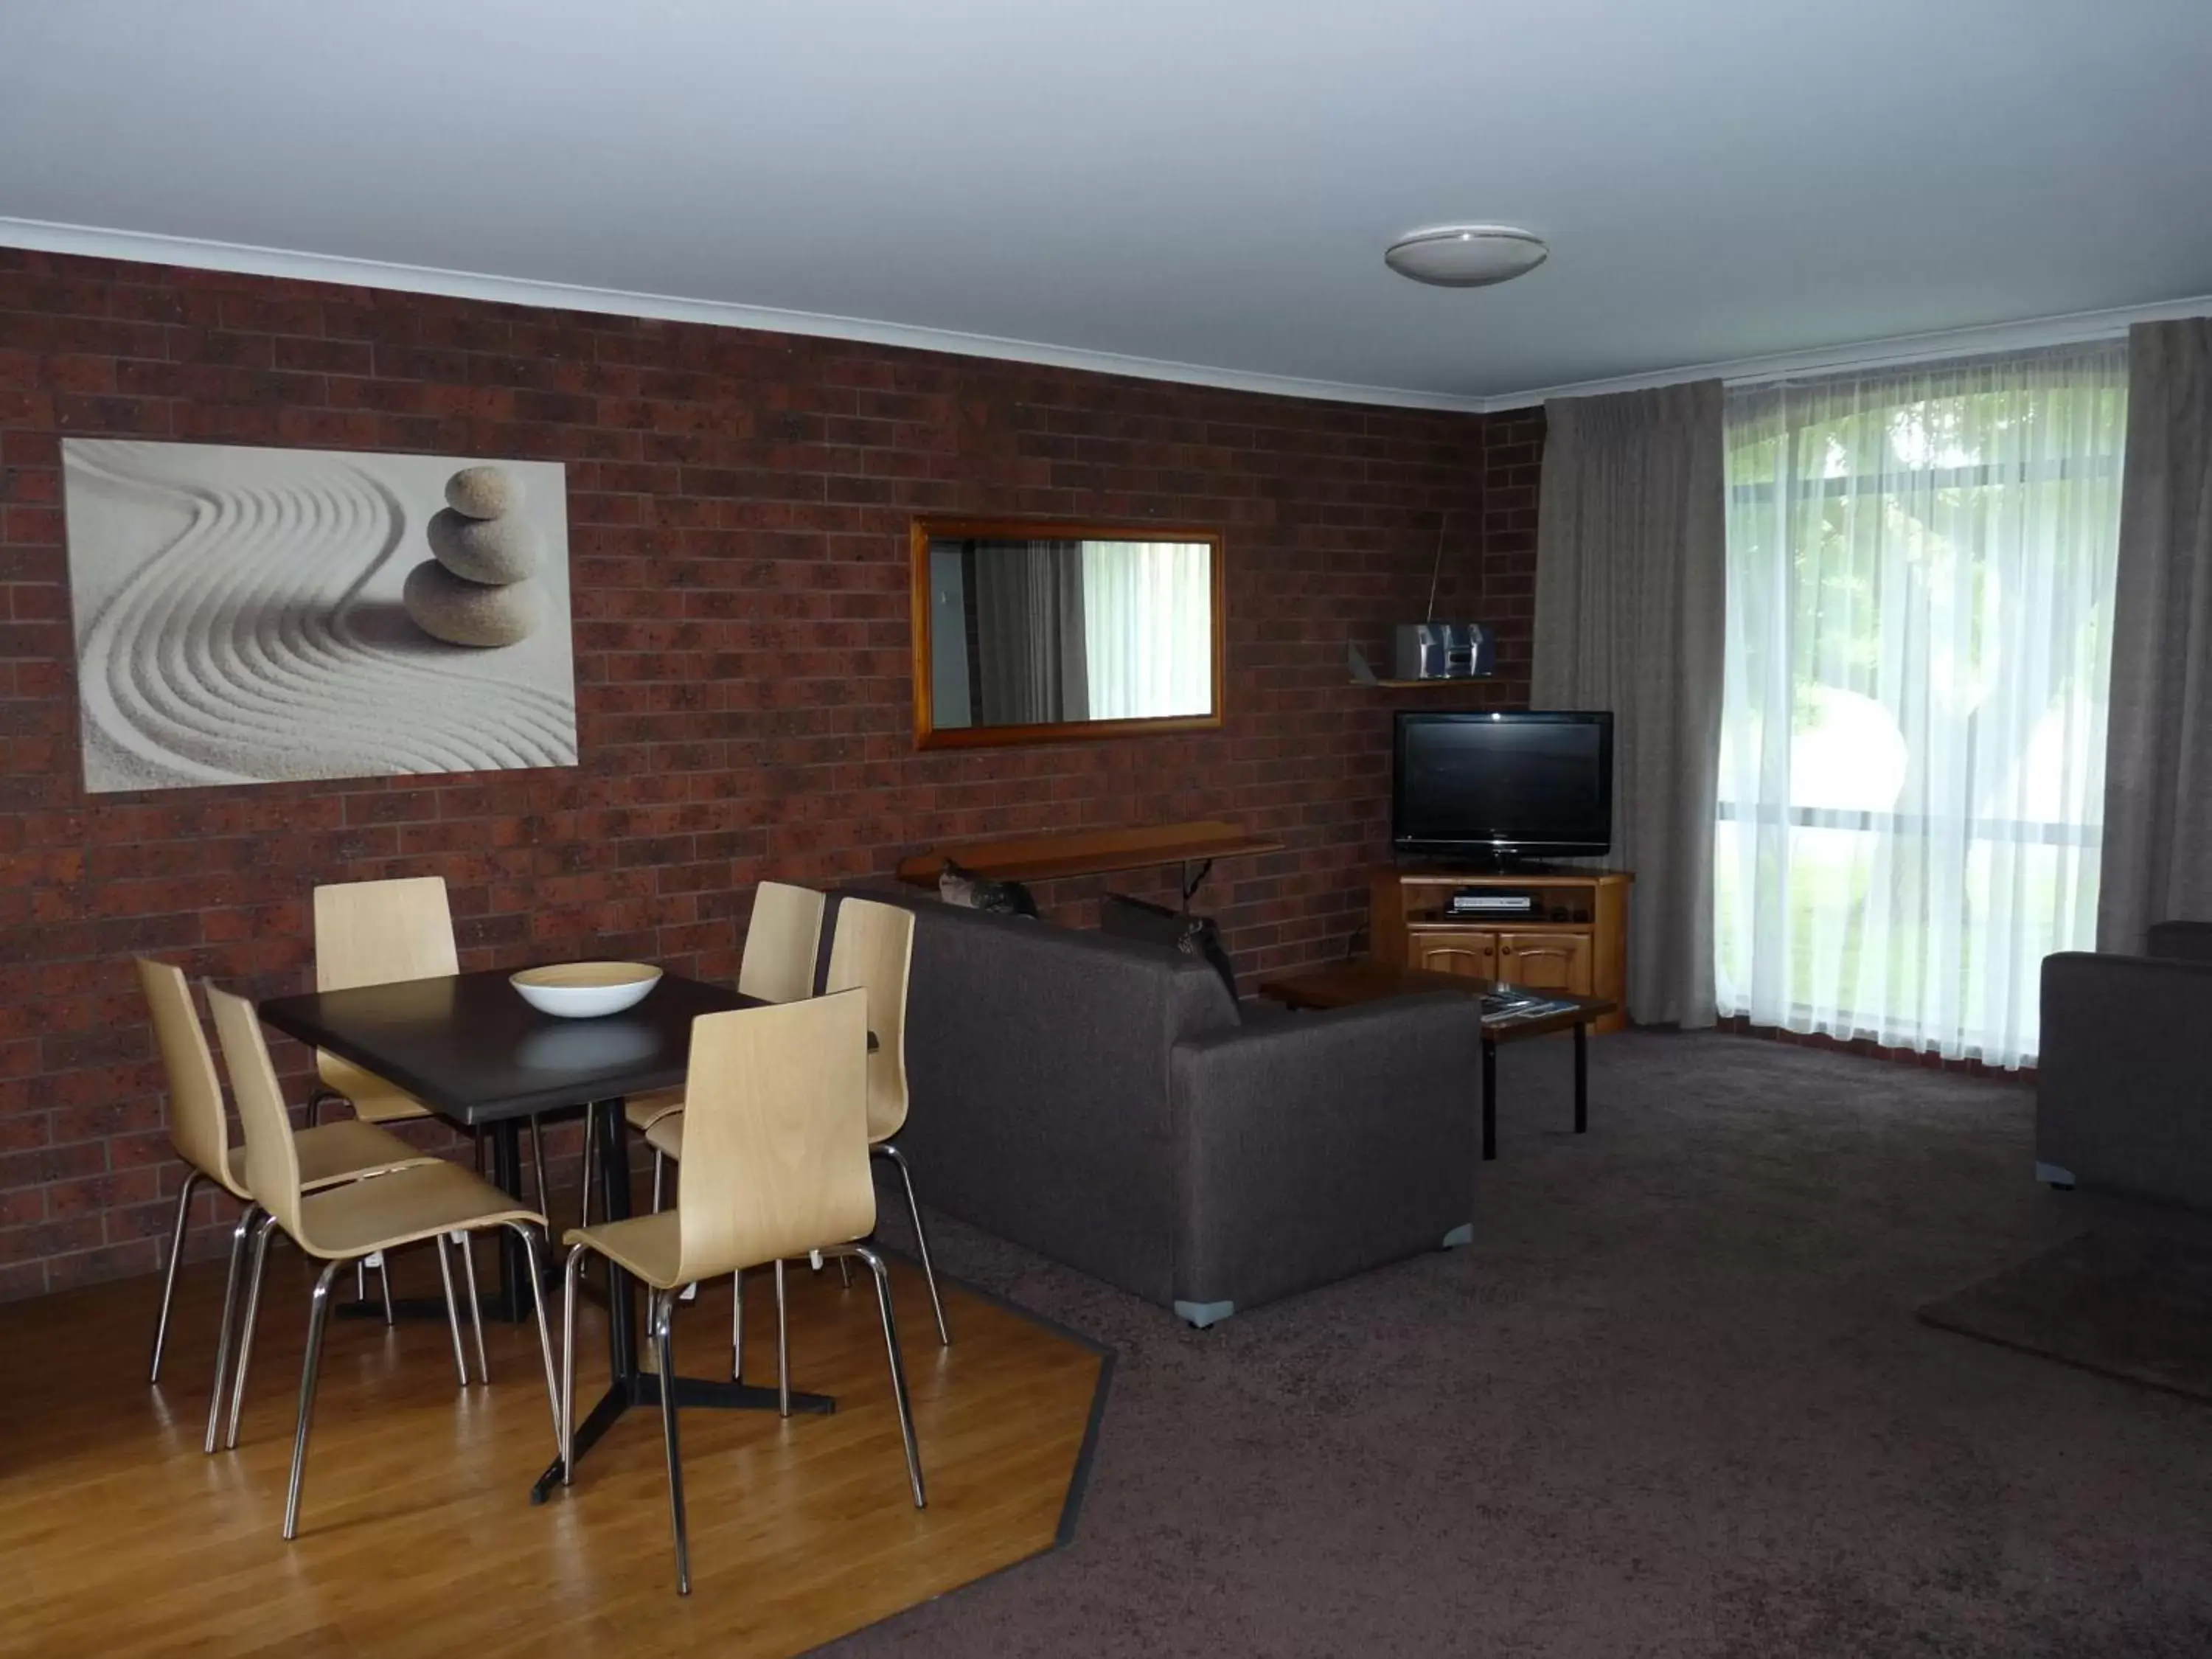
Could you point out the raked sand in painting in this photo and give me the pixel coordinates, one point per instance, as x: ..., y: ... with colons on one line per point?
x: 239, y: 619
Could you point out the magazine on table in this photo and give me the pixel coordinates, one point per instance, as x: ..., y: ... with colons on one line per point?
x: 1509, y: 1002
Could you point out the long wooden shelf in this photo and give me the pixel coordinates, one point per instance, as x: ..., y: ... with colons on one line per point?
x: 1053, y: 857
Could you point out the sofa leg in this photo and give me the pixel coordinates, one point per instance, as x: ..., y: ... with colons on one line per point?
x: 2053, y: 1176
x: 1459, y: 1237
x: 1199, y: 1315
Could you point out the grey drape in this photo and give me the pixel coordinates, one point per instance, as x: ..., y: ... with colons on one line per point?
x: 2157, y: 860
x: 1030, y: 656
x: 1631, y: 582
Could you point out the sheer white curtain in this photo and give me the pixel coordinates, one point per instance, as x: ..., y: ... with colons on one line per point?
x: 1920, y: 590
x: 1148, y: 628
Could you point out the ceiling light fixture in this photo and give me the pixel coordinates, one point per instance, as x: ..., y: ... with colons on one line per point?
x: 1465, y: 256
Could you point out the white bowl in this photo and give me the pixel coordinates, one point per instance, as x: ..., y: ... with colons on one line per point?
x: 584, y: 990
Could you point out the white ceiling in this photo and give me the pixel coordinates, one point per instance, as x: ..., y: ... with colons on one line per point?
x: 1205, y: 184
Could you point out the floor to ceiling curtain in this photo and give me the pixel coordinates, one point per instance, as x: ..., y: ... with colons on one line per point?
x: 1629, y: 590
x: 1030, y: 666
x: 2158, y: 795
x: 1919, y: 633
x: 1148, y: 629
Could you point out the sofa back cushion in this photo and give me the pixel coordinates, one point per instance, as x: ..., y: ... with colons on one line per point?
x: 2180, y: 941
x: 1037, y: 1060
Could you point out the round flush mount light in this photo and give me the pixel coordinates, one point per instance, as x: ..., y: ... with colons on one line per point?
x: 1465, y: 256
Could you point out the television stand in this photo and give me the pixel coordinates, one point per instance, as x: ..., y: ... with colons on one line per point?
x: 1498, y: 864
x: 1575, y: 940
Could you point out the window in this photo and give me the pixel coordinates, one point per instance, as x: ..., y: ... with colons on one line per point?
x: 1920, y: 584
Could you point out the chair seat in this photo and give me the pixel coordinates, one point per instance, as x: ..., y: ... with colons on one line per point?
x: 646, y: 1247
x: 373, y: 1099
x: 344, y: 1151
x: 645, y: 1110
x: 403, y: 1208
x: 666, y: 1135
x: 649, y: 1247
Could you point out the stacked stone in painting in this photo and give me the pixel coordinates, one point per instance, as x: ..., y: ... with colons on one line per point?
x: 479, y: 588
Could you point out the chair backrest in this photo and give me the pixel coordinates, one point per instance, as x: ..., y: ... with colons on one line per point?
x: 198, y: 1125
x: 272, y: 1162
x: 781, y: 943
x: 376, y: 933
x: 776, y: 1135
x: 873, y: 950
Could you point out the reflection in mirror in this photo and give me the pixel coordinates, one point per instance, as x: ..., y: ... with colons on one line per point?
x: 1072, y: 628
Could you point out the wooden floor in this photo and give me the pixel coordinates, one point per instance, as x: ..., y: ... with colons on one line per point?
x: 417, y: 1536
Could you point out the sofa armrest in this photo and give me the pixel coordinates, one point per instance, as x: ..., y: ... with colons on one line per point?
x: 2124, y: 1081
x: 1314, y: 1147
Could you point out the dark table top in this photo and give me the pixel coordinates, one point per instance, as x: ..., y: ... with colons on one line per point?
x: 1342, y: 984
x: 469, y: 1046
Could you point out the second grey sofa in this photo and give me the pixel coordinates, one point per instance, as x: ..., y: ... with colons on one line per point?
x: 1105, y: 1103
x: 2123, y: 1083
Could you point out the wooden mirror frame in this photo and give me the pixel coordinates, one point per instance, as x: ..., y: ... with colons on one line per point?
x: 927, y: 530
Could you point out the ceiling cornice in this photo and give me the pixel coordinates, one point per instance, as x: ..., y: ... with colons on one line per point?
x: 150, y: 248
x: 2070, y: 329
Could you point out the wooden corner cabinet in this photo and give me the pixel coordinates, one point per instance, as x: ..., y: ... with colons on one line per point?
x: 1575, y: 939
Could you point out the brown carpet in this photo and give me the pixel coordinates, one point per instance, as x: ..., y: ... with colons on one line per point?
x: 2121, y: 1303
x: 1672, y: 1402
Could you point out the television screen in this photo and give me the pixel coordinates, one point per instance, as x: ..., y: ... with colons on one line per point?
x: 1506, y: 784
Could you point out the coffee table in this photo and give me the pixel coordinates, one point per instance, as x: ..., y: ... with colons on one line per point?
x: 1342, y: 984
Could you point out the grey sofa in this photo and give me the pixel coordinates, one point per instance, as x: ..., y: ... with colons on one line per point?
x: 1105, y: 1103
x: 2123, y: 1085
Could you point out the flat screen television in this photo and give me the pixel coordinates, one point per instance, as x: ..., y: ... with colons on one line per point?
x: 1502, y: 788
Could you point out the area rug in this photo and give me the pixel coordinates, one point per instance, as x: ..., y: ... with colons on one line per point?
x: 2127, y: 1304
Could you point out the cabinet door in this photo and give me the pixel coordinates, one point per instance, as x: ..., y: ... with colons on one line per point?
x: 1545, y: 961
x: 1468, y: 951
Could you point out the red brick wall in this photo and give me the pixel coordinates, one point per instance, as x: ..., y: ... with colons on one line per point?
x: 738, y: 505
x: 1512, y: 463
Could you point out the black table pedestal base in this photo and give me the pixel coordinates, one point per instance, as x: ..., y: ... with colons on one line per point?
x: 632, y: 1384
x: 644, y: 1390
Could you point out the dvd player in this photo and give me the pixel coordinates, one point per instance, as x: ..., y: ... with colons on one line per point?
x: 1491, y: 902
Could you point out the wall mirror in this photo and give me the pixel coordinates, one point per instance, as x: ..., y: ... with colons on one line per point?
x: 1038, y: 631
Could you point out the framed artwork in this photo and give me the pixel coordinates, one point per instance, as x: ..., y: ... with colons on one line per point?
x: 262, y: 616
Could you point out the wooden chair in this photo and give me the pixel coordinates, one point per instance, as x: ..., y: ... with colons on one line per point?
x: 200, y: 1131
x: 377, y: 932
x: 873, y: 950
x: 423, y: 1203
x: 778, y: 1150
x: 782, y: 942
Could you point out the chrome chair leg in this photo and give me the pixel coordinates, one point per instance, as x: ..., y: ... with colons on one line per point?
x: 169, y: 1279
x: 452, y: 1308
x: 466, y: 1241
x: 898, y: 1370
x: 845, y: 1272
x: 537, y: 1162
x: 317, y: 1316
x: 238, y: 1234
x: 659, y: 1164
x: 383, y: 1284
x: 663, y: 1317
x: 889, y: 1151
x: 544, y: 1337
x: 361, y: 1275
x: 569, y: 1275
x: 782, y: 1348
x: 246, y: 1330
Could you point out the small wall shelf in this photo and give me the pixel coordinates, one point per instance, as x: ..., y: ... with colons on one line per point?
x: 1404, y: 686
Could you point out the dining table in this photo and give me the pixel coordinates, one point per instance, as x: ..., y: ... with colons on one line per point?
x: 468, y: 1047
